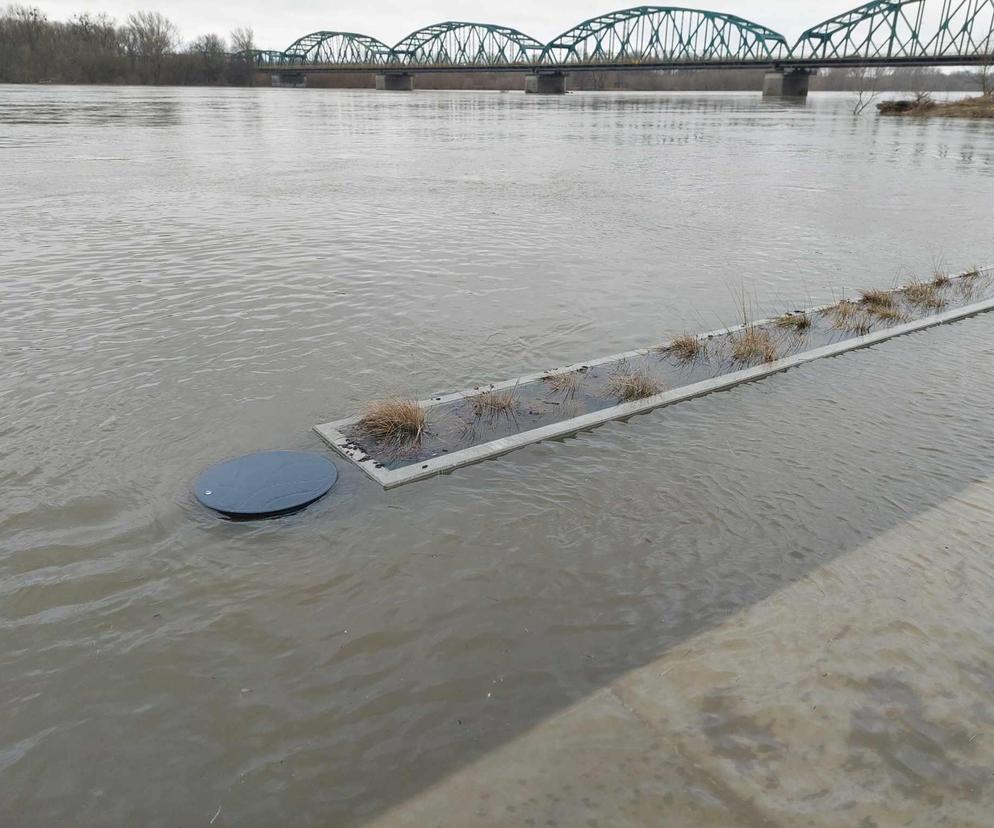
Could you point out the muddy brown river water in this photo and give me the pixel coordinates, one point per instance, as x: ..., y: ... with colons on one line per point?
x: 187, y: 275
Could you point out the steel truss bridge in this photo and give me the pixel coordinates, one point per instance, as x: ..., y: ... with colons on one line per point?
x: 878, y: 33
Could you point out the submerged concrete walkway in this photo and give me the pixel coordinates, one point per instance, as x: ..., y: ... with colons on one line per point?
x: 340, y: 435
x: 860, y: 696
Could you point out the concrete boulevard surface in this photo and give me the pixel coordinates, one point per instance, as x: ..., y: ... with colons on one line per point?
x: 836, y: 702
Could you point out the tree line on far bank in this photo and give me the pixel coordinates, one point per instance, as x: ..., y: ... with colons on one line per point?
x: 145, y: 49
x: 899, y: 79
x: 902, y: 79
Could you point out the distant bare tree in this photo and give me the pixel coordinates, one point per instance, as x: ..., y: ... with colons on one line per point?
x: 864, y: 80
x: 93, y: 48
x: 150, y: 36
x: 212, y: 54
x: 242, y: 39
x: 241, y: 67
x: 986, y: 78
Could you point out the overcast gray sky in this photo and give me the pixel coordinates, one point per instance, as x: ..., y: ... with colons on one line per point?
x: 276, y: 24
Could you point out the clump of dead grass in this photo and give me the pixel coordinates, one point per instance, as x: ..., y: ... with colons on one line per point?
x: 923, y: 294
x: 796, y: 322
x: 968, y: 282
x: 878, y: 304
x: 686, y: 347
x: 887, y: 313
x: 628, y: 383
x: 566, y: 383
x: 754, y: 344
x: 395, y: 419
x: 842, y: 312
x: 874, y: 299
x: 493, y: 402
x: 851, y: 317
x: 940, y: 278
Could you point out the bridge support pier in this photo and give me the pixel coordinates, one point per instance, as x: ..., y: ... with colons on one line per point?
x: 395, y: 82
x: 546, y: 83
x: 786, y: 83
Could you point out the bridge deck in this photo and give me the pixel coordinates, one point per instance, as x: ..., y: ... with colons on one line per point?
x: 529, y: 68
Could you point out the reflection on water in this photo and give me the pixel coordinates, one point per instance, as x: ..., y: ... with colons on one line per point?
x: 150, y: 113
x: 192, y: 274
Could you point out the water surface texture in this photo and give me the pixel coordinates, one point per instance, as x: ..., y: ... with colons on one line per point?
x: 188, y: 275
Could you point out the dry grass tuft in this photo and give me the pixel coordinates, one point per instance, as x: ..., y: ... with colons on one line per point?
x: 796, y: 322
x: 628, y: 384
x: 842, y: 312
x: 874, y: 299
x: 754, y: 344
x: 968, y: 283
x: 395, y: 418
x: 887, y: 313
x: 566, y: 383
x: 940, y: 278
x: 494, y: 402
x: 924, y: 294
x: 686, y: 347
x: 851, y: 317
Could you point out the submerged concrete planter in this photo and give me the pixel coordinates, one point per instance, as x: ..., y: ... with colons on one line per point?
x: 341, y: 434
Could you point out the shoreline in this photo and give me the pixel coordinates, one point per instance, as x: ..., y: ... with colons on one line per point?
x: 979, y: 107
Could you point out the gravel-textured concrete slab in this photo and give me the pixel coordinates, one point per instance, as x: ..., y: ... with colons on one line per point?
x: 782, y: 715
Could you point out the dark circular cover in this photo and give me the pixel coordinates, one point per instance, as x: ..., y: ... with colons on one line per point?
x: 265, y: 483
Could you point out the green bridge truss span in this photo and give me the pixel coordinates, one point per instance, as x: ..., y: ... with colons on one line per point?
x: 338, y: 48
x: 666, y: 34
x: 892, y: 29
x: 467, y: 44
x: 878, y: 32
